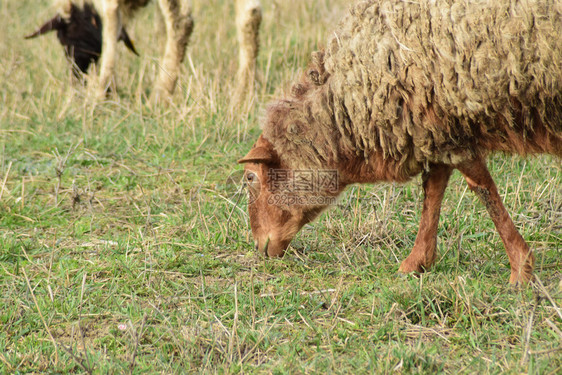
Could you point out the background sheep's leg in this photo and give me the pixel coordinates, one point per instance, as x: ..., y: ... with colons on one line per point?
x: 423, y: 253
x: 111, y: 21
x: 179, y: 25
x: 521, y: 258
x: 248, y: 20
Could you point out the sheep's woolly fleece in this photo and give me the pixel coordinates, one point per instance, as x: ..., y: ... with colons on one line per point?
x: 423, y: 81
x: 128, y: 7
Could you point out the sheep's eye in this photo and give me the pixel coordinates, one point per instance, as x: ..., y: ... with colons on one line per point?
x: 250, y: 177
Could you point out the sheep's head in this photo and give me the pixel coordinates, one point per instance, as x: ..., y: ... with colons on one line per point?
x: 80, y: 33
x: 282, y: 200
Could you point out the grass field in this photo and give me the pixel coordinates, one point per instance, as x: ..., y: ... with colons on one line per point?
x: 124, y: 249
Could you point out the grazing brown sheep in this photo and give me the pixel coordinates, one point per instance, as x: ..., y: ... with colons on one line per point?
x: 407, y: 87
x: 80, y: 25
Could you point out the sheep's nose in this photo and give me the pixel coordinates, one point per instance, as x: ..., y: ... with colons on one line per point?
x: 260, y: 247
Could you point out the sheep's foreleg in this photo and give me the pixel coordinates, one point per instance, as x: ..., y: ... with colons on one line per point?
x: 179, y: 25
x: 521, y: 258
x: 423, y: 253
x: 111, y: 21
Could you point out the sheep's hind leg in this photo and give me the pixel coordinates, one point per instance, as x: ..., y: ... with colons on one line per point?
x: 179, y: 25
x: 521, y: 258
x: 248, y: 20
x: 423, y: 253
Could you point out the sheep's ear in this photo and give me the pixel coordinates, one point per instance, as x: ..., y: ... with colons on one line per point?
x: 257, y: 155
x: 54, y: 23
x: 128, y: 42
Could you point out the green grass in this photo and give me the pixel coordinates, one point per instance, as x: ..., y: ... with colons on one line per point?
x: 124, y: 249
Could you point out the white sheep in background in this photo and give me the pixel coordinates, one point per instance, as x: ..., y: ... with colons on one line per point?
x: 80, y: 25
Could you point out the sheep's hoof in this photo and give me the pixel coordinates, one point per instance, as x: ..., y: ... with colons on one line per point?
x: 411, y: 266
x: 102, y: 95
x: 519, y: 279
x: 522, y: 272
x: 160, y: 96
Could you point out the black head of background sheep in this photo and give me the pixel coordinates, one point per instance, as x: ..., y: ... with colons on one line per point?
x: 81, y: 36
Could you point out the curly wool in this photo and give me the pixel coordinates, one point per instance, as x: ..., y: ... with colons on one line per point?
x: 437, y: 81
